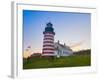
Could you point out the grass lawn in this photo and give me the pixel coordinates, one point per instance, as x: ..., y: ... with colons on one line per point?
x: 69, y: 61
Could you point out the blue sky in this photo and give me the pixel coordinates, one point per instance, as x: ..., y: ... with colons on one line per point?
x: 70, y: 28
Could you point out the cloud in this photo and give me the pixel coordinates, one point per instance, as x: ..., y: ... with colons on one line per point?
x: 77, y: 44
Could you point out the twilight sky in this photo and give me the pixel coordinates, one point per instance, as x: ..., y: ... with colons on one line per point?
x: 71, y: 28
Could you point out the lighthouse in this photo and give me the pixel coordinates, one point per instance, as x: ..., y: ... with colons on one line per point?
x: 48, y: 41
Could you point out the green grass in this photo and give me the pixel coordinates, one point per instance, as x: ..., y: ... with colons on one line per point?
x: 69, y: 61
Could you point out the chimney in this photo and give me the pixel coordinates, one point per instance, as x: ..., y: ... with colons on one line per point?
x: 58, y: 41
x: 64, y: 44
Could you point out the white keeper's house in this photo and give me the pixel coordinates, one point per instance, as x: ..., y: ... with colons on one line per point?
x: 62, y: 49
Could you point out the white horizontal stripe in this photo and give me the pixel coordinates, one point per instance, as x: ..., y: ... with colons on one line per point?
x: 49, y: 37
x: 48, y: 44
x: 48, y: 50
x: 48, y: 34
x: 48, y: 40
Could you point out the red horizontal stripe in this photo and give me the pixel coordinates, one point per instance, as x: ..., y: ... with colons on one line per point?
x: 48, y: 36
x: 48, y: 42
x: 48, y: 45
x: 48, y: 52
x: 48, y: 39
x: 49, y: 33
x: 48, y: 49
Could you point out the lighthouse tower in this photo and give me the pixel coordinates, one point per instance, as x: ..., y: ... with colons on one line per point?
x: 48, y: 41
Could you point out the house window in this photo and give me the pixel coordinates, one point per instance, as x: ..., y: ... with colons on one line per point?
x: 64, y: 52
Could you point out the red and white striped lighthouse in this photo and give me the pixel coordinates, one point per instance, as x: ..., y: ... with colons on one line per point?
x: 48, y: 41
